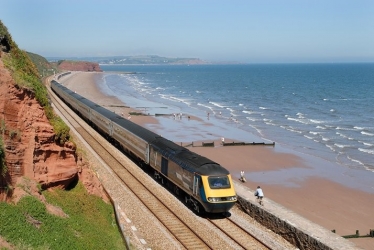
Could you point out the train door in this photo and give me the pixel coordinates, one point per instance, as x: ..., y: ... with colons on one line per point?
x: 89, y: 114
x: 164, y: 166
x: 110, y: 125
x: 197, y: 185
x: 147, y: 154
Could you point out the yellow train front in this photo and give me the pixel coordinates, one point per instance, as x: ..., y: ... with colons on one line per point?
x: 206, y: 185
x: 217, y: 193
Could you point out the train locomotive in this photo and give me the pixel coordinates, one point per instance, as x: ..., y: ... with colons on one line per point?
x: 205, y: 185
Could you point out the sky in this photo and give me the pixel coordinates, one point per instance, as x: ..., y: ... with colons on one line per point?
x: 261, y: 31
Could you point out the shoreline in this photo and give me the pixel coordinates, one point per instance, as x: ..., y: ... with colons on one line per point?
x: 319, y: 199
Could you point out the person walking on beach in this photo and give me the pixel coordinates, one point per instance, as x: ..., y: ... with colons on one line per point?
x: 260, y: 195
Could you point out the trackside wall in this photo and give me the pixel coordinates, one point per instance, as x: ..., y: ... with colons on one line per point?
x: 297, y: 230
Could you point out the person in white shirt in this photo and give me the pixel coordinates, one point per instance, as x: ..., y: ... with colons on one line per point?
x: 260, y: 195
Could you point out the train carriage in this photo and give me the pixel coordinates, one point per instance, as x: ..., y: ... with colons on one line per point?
x: 130, y: 141
x: 77, y: 102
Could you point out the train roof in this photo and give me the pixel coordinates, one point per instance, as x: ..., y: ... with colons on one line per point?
x: 134, y: 128
x: 189, y: 160
x: 75, y: 95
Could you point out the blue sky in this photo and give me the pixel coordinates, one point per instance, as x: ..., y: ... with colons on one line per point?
x: 244, y: 31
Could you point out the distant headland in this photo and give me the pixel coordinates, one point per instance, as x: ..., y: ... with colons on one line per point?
x: 138, y: 60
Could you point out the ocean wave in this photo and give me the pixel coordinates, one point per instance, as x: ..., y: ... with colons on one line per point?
x: 329, y: 126
x: 367, y: 133
x: 270, y: 123
x: 341, y: 128
x: 263, y: 108
x: 309, y: 137
x: 177, y: 99
x: 250, y: 112
x: 297, y: 120
x: 300, y: 115
x: 315, y: 133
x: 359, y: 128
x: 218, y: 105
x: 330, y: 147
x: 320, y: 127
x: 369, y: 151
x: 203, y: 105
x: 366, y: 144
x: 355, y: 160
x: 341, y: 135
x: 253, y: 119
x: 316, y: 121
x: 341, y: 145
x: 294, y: 130
x: 363, y: 128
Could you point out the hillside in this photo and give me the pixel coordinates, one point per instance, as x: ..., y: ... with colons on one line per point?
x: 38, y: 161
x: 44, y: 67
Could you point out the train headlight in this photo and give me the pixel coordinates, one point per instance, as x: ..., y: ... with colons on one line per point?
x: 231, y: 198
x: 222, y: 199
x: 214, y: 199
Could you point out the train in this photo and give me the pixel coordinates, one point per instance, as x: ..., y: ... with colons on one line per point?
x: 207, y: 187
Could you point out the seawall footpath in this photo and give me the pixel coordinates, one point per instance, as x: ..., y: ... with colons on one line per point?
x: 297, y: 230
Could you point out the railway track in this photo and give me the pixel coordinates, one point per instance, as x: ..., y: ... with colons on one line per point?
x: 180, y: 230
x: 238, y: 234
x: 187, y: 236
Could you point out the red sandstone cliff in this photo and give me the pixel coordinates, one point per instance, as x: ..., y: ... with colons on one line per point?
x: 78, y: 66
x: 30, y: 149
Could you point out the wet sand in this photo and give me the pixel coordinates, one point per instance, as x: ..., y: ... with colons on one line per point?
x: 321, y: 200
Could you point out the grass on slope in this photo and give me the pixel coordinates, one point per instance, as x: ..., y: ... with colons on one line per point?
x: 90, y: 223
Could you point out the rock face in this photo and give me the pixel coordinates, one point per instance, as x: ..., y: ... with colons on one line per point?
x: 79, y: 66
x: 30, y: 148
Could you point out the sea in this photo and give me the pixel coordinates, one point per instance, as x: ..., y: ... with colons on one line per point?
x: 323, y: 112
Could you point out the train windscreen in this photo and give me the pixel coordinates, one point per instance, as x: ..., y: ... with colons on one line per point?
x: 217, y: 182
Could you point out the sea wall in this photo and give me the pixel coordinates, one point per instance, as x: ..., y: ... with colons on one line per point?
x: 297, y: 230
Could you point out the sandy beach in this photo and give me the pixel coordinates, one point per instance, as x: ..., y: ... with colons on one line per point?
x: 321, y: 200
